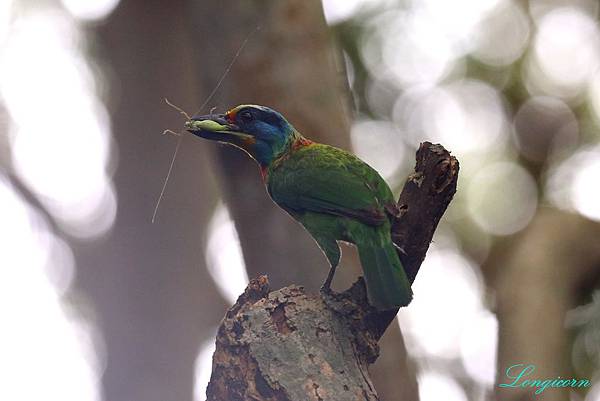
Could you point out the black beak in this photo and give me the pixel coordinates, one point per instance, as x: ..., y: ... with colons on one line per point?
x: 216, y: 127
x: 218, y: 118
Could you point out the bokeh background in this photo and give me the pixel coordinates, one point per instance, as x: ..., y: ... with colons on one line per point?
x: 99, y: 303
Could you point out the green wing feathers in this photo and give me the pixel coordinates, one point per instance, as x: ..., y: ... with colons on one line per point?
x: 336, y: 196
x: 325, y: 179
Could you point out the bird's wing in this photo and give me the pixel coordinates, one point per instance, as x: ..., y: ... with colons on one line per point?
x: 329, y: 180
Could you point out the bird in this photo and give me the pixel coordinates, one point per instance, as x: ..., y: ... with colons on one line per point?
x: 332, y: 193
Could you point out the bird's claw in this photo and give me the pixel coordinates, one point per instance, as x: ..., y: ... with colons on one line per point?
x: 325, y: 289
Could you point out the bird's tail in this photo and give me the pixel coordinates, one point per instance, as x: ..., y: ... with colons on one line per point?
x: 387, y: 284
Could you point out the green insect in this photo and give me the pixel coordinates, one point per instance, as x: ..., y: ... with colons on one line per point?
x: 332, y: 193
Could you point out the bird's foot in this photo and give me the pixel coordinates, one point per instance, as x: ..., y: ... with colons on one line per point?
x: 327, y: 294
x: 330, y: 297
x: 325, y: 289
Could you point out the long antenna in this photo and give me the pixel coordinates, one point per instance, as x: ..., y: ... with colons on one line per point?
x: 210, y: 96
x: 233, y: 60
x: 179, y: 109
x: 164, y: 187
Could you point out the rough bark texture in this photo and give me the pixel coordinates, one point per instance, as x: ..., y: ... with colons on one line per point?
x: 287, y: 345
x: 290, y: 345
x: 424, y: 199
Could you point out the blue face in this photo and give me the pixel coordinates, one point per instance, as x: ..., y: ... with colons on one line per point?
x: 262, y: 132
x: 262, y: 122
x: 269, y: 128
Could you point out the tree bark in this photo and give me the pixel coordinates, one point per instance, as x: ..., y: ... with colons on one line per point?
x: 290, y: 345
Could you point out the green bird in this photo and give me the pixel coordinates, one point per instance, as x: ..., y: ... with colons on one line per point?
x: 332, y: 193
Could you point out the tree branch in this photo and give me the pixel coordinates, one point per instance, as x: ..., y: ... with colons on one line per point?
x: 290, y: 345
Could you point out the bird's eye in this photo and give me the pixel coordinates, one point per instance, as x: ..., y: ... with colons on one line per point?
x: 246, y: 116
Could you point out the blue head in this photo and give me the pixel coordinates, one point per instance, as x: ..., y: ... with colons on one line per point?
x: 262, y: 132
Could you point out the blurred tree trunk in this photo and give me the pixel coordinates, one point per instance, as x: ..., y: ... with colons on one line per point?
x: 288, y: 64
x: 538, y: 275
x: 148, y: 282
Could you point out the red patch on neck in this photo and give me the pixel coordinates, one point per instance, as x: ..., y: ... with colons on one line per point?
x: 300, y: 143
x: 264, y: 173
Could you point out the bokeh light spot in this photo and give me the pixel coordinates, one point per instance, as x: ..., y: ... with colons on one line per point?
x: 416, y: 51
x: 566, y: 52
x: 90, y: 10
x: 572, y: 184
x: 478, y: 346
x: 60, y: 139
x: 46, y: 353
x: 434, y: 386
x: 465, y: 116
x: 502, y: 36
x: 585, y: 191
x: 544, y: 125
x: 431, y: 325
x: 539, y: 8
x: 225, y: 261
x: 203, y: 368
x: 594, y: 95
x: 379, y: 144
x: 502, y: 198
